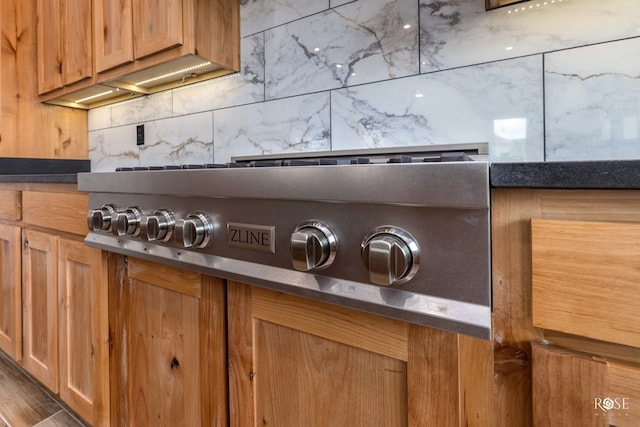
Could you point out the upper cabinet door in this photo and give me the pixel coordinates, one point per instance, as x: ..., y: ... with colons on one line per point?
x: 76, y: 43
x: 64, y: 43
x: 158, y: 26
x: 112, y: 33
x: 49, y: 45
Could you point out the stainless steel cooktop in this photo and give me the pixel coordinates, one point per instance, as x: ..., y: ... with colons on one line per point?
x: 402, y: 233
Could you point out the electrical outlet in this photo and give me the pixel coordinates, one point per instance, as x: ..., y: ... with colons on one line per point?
x: 140, y: 135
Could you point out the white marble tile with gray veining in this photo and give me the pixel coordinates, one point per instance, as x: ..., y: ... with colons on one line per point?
x: 244, y: 87
x: 178, y: 141
x: 288, y: 125
x: 455, y: 33
x: 259, y: 15
x: 592, y: 101
x: 113, y: 148
x: 336, y: 3
x: 499, y: 103
x: 150, y: 107
x: 99, y: 118
x: 357, y: 43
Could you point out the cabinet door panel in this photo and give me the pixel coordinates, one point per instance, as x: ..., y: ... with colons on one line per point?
x: 292, y: 360
x: 40, y: 314
x: 113, y: 33
x: 157, y: 26
x: 83, y: 330
x: 156, y: 362
x: 49, y: 45
x: 10, y: 291
x: 77, y: 46
x: 304, y: 377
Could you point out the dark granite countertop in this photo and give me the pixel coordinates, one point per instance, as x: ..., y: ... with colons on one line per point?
x: 19, y: 169
x: 607, y: 174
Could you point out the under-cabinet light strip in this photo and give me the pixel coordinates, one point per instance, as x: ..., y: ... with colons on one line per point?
x: 519, y: 8
x: 182, y: 71
x: 80, y: 101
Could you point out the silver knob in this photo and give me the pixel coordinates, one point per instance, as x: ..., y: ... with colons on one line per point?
x: 127, y: 223
x: 100, y: 219
x: 391, y: 255
x: 195, y: 230
x: 313, y: 246
x: 158, y: 226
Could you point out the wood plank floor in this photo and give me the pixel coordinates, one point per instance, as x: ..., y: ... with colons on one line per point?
x: 23, y: 403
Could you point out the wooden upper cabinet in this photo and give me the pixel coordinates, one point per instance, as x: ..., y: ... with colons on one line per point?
x: 131, y: 29
x: 76, y: 46
x: 139, y: 47
x: 158, y: 26
x: 64, y: 43
x: 494, y: 4
x: 112, y: 33
x: 49, y: 45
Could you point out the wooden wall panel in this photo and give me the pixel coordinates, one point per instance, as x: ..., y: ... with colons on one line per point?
x: 29, y: 128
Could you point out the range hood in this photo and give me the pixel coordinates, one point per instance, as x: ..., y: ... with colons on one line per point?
x: 182, y: 71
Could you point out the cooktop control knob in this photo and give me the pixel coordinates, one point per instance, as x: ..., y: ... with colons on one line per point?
x: 313, y: 246
x: 391, y: 255
x: 127, y: 223
x: 195, y: 230
x: 100, y: 219
x: 158, y: 226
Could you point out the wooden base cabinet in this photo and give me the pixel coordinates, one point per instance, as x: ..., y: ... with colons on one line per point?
x: 575, y: 387
x: 65, y: 321
x: 40, y: 309
x: 168, y: 359
x: 293, y: 362
x: 83, y: 326
x: 10, y: 291
x: 565, y: 298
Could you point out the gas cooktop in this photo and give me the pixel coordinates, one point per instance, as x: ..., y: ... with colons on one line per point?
x: 428, y: 154
x: 400, y: 233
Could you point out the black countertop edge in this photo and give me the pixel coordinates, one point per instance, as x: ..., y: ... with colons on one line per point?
x: 38, y: 166
x: 606, y: 174
x: 46, y: 178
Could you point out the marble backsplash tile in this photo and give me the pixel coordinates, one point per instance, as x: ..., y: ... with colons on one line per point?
x: 482, y: 76
x: 499, y: 103
x: 259, y: 15
x: 178, y: 140
x: 113, y: 147
x: 455, y: 33
x: 361, y: 42
x: 593, y: 102
x: 283, y: 126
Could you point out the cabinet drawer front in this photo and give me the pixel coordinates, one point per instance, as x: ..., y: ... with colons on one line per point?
x: 10, y: 205
x: 58, y: 211
x: 588, y: 390
x: 586, y: 278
